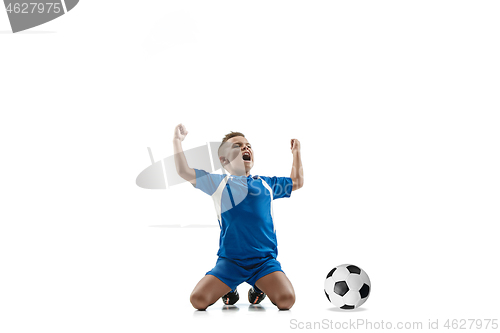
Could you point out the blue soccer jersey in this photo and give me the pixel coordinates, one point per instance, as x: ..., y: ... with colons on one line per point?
x: 245, y: 213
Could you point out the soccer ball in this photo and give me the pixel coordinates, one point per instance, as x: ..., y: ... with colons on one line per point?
x: 347, y: 286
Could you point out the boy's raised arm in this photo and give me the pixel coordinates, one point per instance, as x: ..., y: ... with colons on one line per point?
x: 181, y: 164
x: 297, y: 173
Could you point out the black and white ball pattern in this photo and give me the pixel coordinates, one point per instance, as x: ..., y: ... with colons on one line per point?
x: 347, y: 286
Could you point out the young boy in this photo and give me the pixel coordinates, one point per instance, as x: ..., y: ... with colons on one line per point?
x: 247, y: 244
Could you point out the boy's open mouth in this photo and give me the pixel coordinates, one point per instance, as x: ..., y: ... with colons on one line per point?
x: 246, y: 156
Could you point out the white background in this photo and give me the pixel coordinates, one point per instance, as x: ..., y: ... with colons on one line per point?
x: 395, y: 103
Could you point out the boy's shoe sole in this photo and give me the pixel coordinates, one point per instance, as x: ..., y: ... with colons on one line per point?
x: 231, y: 297
x: 255, y: 297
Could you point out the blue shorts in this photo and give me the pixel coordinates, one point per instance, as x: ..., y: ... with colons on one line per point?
x: 233, y: 272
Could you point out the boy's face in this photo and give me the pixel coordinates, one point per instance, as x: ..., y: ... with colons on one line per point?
x: 237, y: 154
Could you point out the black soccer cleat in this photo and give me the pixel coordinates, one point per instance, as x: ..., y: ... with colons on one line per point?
x: 255, y: 297
x: 231, y: 297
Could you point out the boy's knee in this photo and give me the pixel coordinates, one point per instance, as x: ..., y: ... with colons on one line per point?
x: 199, y: 301
x: 285, y: 301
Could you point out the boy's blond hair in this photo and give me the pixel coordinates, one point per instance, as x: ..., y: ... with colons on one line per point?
x: 232, y: 135
x: 229, y: 136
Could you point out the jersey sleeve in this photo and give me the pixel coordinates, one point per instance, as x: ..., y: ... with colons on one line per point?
x: 207, y: 182
x: 281, y: 186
